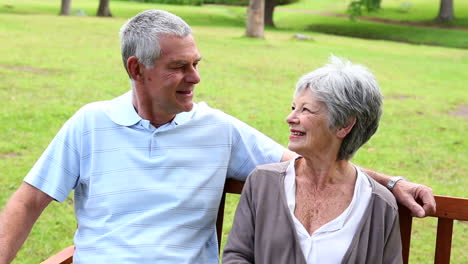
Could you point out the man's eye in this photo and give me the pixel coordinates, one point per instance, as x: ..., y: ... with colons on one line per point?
x: 293, y: 108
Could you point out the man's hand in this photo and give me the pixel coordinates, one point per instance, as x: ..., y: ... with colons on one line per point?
x: 418, y: 198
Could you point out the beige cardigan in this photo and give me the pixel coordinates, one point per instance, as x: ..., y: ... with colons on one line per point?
x: 263, y: 230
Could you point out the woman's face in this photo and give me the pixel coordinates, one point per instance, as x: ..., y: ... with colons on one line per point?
x: 308, y: 124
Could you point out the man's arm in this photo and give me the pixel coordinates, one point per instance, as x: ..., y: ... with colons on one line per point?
x: 18, y: 218
x: 288, y: 155
x: 418, y: 198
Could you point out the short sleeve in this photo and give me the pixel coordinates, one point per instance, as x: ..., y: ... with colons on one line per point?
x: 250, y: 148
x: 58, y: 169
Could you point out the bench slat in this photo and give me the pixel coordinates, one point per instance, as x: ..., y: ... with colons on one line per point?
x: 63, y: 257
x: 451, y: 207
x: 220, y: 220
x: 444, y: 241
x: 406, y: 222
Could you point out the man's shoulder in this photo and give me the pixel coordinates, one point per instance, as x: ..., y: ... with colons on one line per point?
x: 90, y: 115
x: 204, y: 113
x: 93, y: 109
x: 202, y: 108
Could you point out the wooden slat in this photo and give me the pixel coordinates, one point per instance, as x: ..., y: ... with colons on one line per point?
x: 444, y: 241
x: 63, y: 257
x: 234, y: 186
x: 231, y: 186
x: 451, y: 207
x: 220, y: 219
x: 406, y: 222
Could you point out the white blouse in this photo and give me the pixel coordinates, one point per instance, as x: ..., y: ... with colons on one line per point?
x: 329, y: 243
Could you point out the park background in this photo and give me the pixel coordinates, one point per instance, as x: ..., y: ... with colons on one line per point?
x: 52, y: 65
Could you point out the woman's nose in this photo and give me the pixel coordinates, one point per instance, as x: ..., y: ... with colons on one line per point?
x: 291, y: 118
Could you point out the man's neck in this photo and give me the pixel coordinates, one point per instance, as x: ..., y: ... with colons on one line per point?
x: 147, y: 112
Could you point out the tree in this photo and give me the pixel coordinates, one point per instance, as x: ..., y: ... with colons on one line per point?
x: 445, y: 11
x: 255, y: 19
x: 269, y: 10
x: 65, y: 8
x: 104, y: 10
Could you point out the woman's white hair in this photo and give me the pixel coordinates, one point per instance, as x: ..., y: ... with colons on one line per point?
x: 348, y: 91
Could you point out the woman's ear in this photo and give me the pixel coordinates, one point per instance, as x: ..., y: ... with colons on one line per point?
x: 134, y: 68
x: 344, y: 131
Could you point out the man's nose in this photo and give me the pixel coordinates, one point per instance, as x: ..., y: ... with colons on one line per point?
x: 193, y: 76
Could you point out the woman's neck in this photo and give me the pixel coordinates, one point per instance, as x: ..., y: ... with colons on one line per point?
x: 319, y: 173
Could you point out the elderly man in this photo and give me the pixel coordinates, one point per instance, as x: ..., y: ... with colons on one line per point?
x: 148, y: 167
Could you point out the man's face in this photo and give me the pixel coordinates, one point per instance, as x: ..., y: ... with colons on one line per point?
x: 170, y: 84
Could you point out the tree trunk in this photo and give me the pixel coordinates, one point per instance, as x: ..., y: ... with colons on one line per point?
x: 445, y: 11
x: 65, y: 8
x: 104, y: 10
x: 269, y: 10
x: 255, y: 17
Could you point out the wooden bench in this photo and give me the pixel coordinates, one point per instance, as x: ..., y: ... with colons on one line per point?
x: 448, y: 209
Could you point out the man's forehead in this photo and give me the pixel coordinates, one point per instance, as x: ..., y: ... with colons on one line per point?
x: 176, y: 48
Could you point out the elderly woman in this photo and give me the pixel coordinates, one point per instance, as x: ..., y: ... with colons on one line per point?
x: 319, y: 207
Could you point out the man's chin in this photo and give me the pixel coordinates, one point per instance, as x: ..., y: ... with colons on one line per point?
x: 187, y: 107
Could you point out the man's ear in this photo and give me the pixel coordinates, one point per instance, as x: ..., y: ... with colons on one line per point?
x: 342, y: 132
x: 134, y: 68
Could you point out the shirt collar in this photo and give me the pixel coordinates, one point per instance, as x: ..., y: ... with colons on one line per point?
x: 122, y: 112
x: 184, y: 117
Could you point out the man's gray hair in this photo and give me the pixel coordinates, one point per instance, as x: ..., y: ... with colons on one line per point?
x: 348, y: 91
x: 141, y: 34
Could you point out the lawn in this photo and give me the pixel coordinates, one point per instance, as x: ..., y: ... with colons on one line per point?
x: 423, y: 11
x: 287, y: 18
x: 420, y: 11
x: 51, y: 66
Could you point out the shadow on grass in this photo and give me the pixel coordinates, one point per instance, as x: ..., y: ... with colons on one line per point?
x: 194, y: 15
x: 407, y: 34
x: 221, y: 16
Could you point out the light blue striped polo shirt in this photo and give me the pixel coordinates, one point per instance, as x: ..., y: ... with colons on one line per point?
x: 146, y: 194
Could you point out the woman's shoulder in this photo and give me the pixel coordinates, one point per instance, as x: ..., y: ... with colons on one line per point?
x: 277, y: 167
x: 382, y: 193
x: 385, y: 195
x: 268, y: 172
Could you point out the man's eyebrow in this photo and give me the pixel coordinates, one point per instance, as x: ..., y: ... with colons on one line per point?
x: 183, y: 62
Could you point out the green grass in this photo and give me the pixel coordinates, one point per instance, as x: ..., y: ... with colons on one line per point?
x: 421, y: 11
x: 51, y: 65
x: 371, y: 30
x: 221, y: 16
x: 401, y: 10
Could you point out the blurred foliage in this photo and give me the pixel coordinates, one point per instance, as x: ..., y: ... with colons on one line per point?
x: 219, y: 2
x: 356, y: 8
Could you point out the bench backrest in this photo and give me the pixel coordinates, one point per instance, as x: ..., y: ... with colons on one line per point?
x: 448, y: 209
